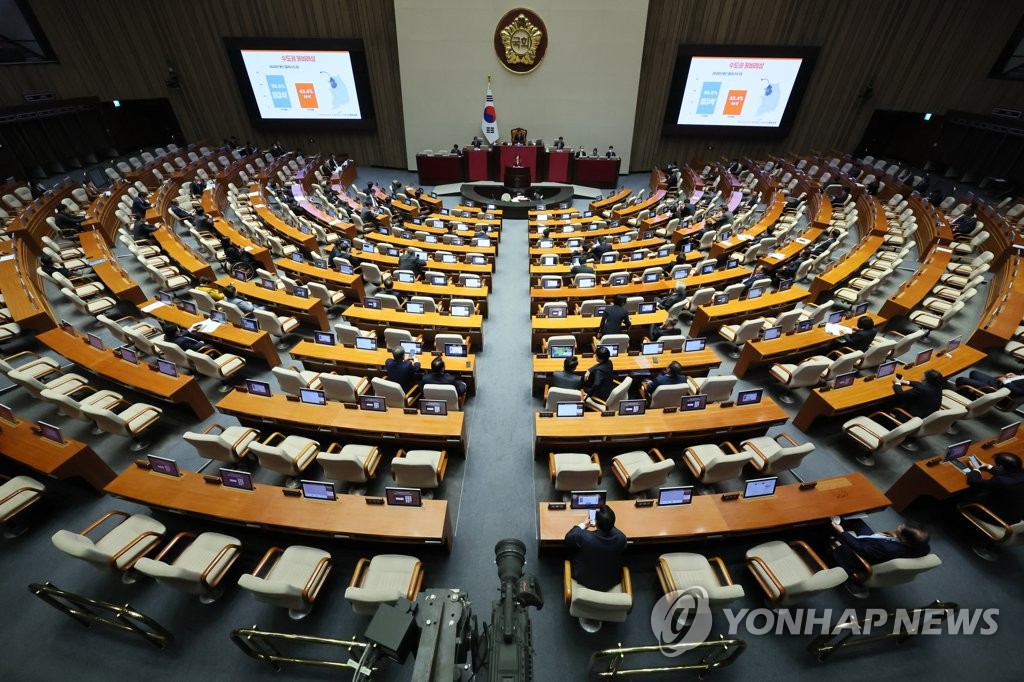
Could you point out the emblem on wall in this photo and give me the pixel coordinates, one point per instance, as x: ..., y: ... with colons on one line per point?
x: 520, y: 40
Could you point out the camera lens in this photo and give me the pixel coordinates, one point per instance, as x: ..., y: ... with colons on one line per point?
x: 509, y: 556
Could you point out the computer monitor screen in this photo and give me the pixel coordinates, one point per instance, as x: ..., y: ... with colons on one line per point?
x: 455, y: 350
x: 324, y: 338
x: 437, y: 280
x: 301, y: 292
x: 297, y: 257
x: 675, y: 496
x: 218, y: 316
x: 406, y: 277
x: 404, y: 497
x: 860, y: 309
x: 372, y: 304
x: 569, y: 409
x: 749, y: 397
x: 651, y: 277
x: 162, y: 465
x: 586, y: 283
x: 754, y: 292
x: 414, y: 307
x: 268, y: 283
x: 318, y: 490
x: 165, y: 297
x: 772, y: 333
x: 613, y: 350
x: 460, y: 310
x: 721, y: 299
x: 168, y: 368
x: 924, y: 356
x: 312, y: 396
x: 260, y: 388
x: 693, y: 345
x: 421, y: 256
x: 844, y: 380
x: 647, y: 308
x: 630, y: 407
x: 693, y: 402
x: 653, y: 348
x: 836, y: 317
x: 624, y: 239
x: 599, y: 310
x: 6, y: 415
x: 433, y: 407
x: 957, y: 450
x: 731, y: 263
x: 319, y: 263
x: 785, y: 285
x: 619, y: 280
x: 189, y: 307
x: 558, y: 351
x: 95, y: 341
x: 450, y: 258
x: 411, y: 347
x: 804, y: 325
x: 239, y: 480
x: 471, y: 282
x: 681, y: 273
x: 250, y: 324
x: 372, y: 403
x: 366, y: 343
x: 760, y: 487
x: 587, y: 499
x: 707, y: 268
x: 1008, y: 432
x: 557, y: 311
x: 345, y: 269
x: 887, y: 368
x: 551, y: 283
x: 953, y: 344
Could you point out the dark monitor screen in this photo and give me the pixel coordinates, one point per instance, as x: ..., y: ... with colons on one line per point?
x: 240, y: 274
x: 437, y: 408
x: 366, y: 343
x: 749, y: 397
x: 324, y: 338
x: 957, y: 450
x: 1008, y: 432
x: 646, y: 308
x: 168, y: 368
x: 552, y: 283
x: 772, y: 333
x: 260, y: 388
x: 619, y: 280
x: 162, y: 465
x: 785, y: 285
x: 675, y: 496
x: 632, y: 407
x: 844, y: 380
x: 760, y: 487
x: 372, y: 304
x: 218, y: 316
x: 721, y: 299
x: 557, y: 311
x: 372, y: 403
x: 953, y: 344
x: 165, y: 297
x: 312, y: 396
x: 189, y: 307
x: 924, y: 356
x: 300, y: 292
x: 693, y: 345
x: 569, y: 409
x: 239, y: 480
x: 731, y: 263
x: 404, y: 497
x: 887, y: 368
x: 835, y: 318
x: 804, y: 325
x: 51, y: 432
x: 318, y: 490
x: 250, y: 324
x: 860, y: 309
x: 693, y: 402
x: 455, y: 350
x: 587, y: 499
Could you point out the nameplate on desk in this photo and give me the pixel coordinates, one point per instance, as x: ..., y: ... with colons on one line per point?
x: 933, y: 462
x: 670, y: 410
x: 556, y: 506
x: 375, y: 500
x: 608, y: 413
x: 545, y: 414
x: 291, y: 492
x: 727, y: 403
x: 808, y: 485
x: 410, y: 410
x: 644, y: 503
x: 728, y: 497
x: 351, y: 406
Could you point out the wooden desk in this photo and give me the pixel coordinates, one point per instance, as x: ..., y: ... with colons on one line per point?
x: 694, y: 363
x: 267, y: 508
x: 914, y: 290
x: 585, y: 328
x: 182, y: 390
x: 647, y: 204
x: 792, y: 249
x: 310, y: 309
x: 711, y: 317
x: 226, y: 229
x: 713, y: 424
x: 652, y: 244
x: 607, y: 268
x: 183, y: 255
x: 73, y: 458
x: 427, y: 324
x: 847, y: 267
x: 663, y: 286
x: 864, y: 394
x: 709, y: 517
x: 448, y: 291
x: 401, y: 243
x: 334, y: 420
x: 113, y: 276
x: 351, y: 285
x: 605, y: 204
x: 385, y: 262
x: 237, y: 340
x: 1004, y: 307
x: 22, y: 287
x: 768, y: 219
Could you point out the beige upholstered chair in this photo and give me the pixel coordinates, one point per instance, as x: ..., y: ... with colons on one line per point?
x: 444, y: 392
x: 879, y: 432
x: 344, y: 387
x: 717, y: 388
x: 996, y: 532
x: 618, y: 394
x: 123, y: 545
x: 710, y: 463
x: 681, y: 571
x: 772, y: 455
x: 384, y: 579
x: 787, y: 577
x: 669, y: 395
x: 393, y: 394
x: 292, y: 379
x: 72, y: 407
x: 892, y: 572
x: 807, y: 373
x: 132, y: 421
x: 286, y: 455
x: 979, y: 404
x: 419, y: 468
x: 637, y: 471
x: 278, y: 326
x: 574, y: 470
x: 218, y: 365
x: 593, y: 607
x: 229, y: 444
x: 292, y: 580
x: 351, y: 463
x: 16, y: 495
x: 199, y: 568
x: 554, y: 395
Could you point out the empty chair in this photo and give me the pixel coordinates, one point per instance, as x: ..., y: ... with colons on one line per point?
x: 619, y: 393
x: 329, y: 298
x: 877, y: 353
x: 199, y: 568
x: 86, y: 395
x: 637, y: 471
x: 978, y: 404
x: 394, y: 396
x: 16, y: 495
x: 879, y: 432
x: 554, y: 395
x: 787, y: 577
x: 393, y: 338
x: 384, y: 579
x: 807, y: 373
x: 292, y: 580
x: 996, y: 532
x: 286, y: 455
x: 343, y: 387
x: 710, y: 463
x: 739, y: 334
x: 669, y: 395
x: 703, y: 296
x: 679, y: 572
x: 350, y: 463
x: 277, y: 326
x: 905, y: 341
x: 228, y: 445
x: 292, y: 379
x: 132, y: 421
x: 841, y: 363
x: 120, y: 547
x: 718, y: 389
x: 91, y: 307
x: 594, y: 607
x: 419, y: 468
x: 444, y: 392
x: 937, y: 422
x: 574, y: 470
x: 930, y: 321
x: 348, y: 333
x: 218, y: 365
x: 772, y: 455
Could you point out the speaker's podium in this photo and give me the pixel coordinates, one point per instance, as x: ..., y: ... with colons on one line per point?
x: 517, y: 177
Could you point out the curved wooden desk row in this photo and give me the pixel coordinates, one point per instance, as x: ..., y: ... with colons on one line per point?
x: 1004, y: 308
x: 919, y: 286
x: 605, y: 204
x: 227, y: 229
x: 716, y: 279
x: 22, y: 287
x: 635, y: 209
x: 652, y: 261
x: 589, y: 233
x: 183, y: 254
x: 771, y: 215
x: 709, y: 318
x: 402, y: 243
x: 446, y: 292
x: 351, y: 285
x: 791, y: 250
x: 309, y: 309
x: 564, y: 252
x: 30, y: 222
x: 708, y: 517
x: 301, y: 239
x: 20, y: 443
x: 655, y: 427
x: 943, y: 480
x: 427, y: 324
x: 183, y: 390
x: 865, y: 392
x: 847, y: 266
x: 267, y: 508
x: 335, y: 421
x: 110, y: 272
x: 694, y: 363
x: 541, y: 220
x: 389, y: 263
x: 585, y: 328
x: 370, y: 363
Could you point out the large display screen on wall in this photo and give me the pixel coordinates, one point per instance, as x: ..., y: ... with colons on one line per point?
x: 733, y: 90
x: 291, y: 84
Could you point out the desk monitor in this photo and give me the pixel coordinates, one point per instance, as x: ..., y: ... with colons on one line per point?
x: 450, y: 258
x: 586, y: 283
x: 631, y: 407
x: 785, y: 285
x: 6, y: 415
x: 751, y: 397
x: 549, y: 260
x: 647, y: 308
x: 239, y: 480
x: 844, y: 380
x: 483, y: 242
x: 67, y: 327
x: 924, y: 356
x: 437, y: 408
x: 372, y: 403
x: 414, y: 307
x: 664, y: 251
x: 345, y: 269
x: 51, y: 432
x: 455, y: 350
x: 557, y: 312
x: 304, y: 229
x: 587, y: 499
x: 260, y: 388
x: 218, y: 316
x: 953, y: 344
x: 324, y: 338
x: 860, y: 309
x: 268, y: 283
x: 836, y: 317
x: 552, y: 283
x: 569, y: 409
x: 471, y: 282
x: 804, y: 325
x: 404, y: 497
x: 189, y: 307
x: 687, y: 247
x: 732, y: 262
x: 648, y: 234
x: 754, y: 292
x: 588, y: 214
x: 619, y: 280
x: 421, y: 256
x: 411, y: 347
x: 165, y: 297
x: 609, y: 258
x: 887, y: 368
x: 430, y: 239
x: 675, y: 496
x: 297, y: 257
x: 312, y: 396
x: 694, y: 345
x: 760, y: 487
x: 168, y: 368
x: 319, y: 263
x: 300, y: 292
x: 574, y: 243
x: 250, y: 324
x: 613, y: 349
x: 653, y: 348
x: 546, y: 243
x: 318, y: 490
x: 460, y: 310
x: 438, y: 280
x: 558, y: 351
x: 772, y: 333
x: 372, y: 304
x: 366, y: 343
x: 693, y: 402
x: 624, y: 239
x: 368, y: 247
x: 406, y: 277
x: 707, y: 268
x: 128, y: 354
x: 95, y: 341
x: 721, y: 299
x: 1008, y: 432
x: 681, y: 273
x: 957, y: 450
x: 162, y: 465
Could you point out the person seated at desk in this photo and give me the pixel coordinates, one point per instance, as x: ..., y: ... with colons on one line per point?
x: 207, y: 288
x: 400, y: 370
x: 839, y: 198
x: 47, y: 265
x: 759, y: 273
x: 965, y: 223
x: 678, y: 294
x: 861, y: 338
x: 438, y: 375
x: 718, y: 218
x: 923, y: 397
x: 409, y: 261
x: 670, y: 376
x: 615, y: 317
x: 276, y: 149
x: 581, y: 153
x: 820, y: 246
x: 396, y: 186
x: 196, y: 187
x: 236, y: 255
x: 567, y: 378
x: 598, y: 561
x: 182, y: 337
x: 455, y: 150
x: 600, y: 248
x: 787, y: 270
x: 610, y: 154
x: 143, y: 231
x: 179, y: 212
x: 201, y: 221
x: 980, y: 380
x: 367, y: 215
x: 906, y: 542
x: 1003, y: 491
x: 64, y: 220
x: 140, y: 206
x: 519, y: 137
x: 477, y: 142
x: 666, y: 328
x: 684, y: 210
x: 232, y: 296
x: 580, y: 264
x: 559, y: 143
x: 340, y: 249
x: 596, y: 154
x: 598, y: 381
x: 389, y: 289
x: 873, y: 187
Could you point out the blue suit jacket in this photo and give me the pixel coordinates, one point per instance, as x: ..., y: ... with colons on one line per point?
x: 598, y: 562
x: 402, y: 372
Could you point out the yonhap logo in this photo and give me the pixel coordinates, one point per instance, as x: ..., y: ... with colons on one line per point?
x: 681, y: 620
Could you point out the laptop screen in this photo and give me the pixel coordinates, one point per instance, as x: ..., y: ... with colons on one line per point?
x: 168, y: 368
x: 324, y: 338
x: 569, y: 409
x: 366, y: 343
x: 692, y: 345
x: 312, y: 396
x: 675, y: 496
x: 455, y: 350
x: 587, y: 499
x: 693, y: 402
x: 772, y: 333
x: 404, y: 497
x: 372, y: 403
x: 653, y: 348
x: 760, y: 487
x: 318, y: 490
x: 239, y: 480
x: 260, y: 388
x: 162, y: 465
x: 433, y: 407
x: 749, y: 397
x: 631, y: 407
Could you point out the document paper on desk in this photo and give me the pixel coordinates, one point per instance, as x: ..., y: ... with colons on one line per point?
x: 152, y: 306
x: 802, y: 240
x: 836, y: 329
x: 206, y: 326
x: 776, y: 254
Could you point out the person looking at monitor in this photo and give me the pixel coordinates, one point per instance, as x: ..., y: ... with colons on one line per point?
x: 568, y: 378
x: 196, y: 187
x: 597, y: 564
x: 438, y: 375
x: 389, y: 289
x: 615, y: 317
x: 400, y: 370
x: 666, y: 328
x: 182, y: 337
x: 670, y: 376
x: 599, y: 379
x: 209, y: 289
x: 1002, y: 491
x: 143, y: 231
x: 47, y: 265
x: 861, y: 338
x: 875, y: 548
x: 920, y: 398
x: 232, y: 296
x: 409, y: 261
x: 64, y: 220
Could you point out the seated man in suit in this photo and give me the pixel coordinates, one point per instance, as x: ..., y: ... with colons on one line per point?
x: 981, y: 380
x: 568, y: 378
x: 678, y: 294
x: 787, y: 270
x: 196, y: 187
x: 409, y: 261
x: 615, y: 317
x: 560, y: 143
x: 666, y: 328
x: 965, y: 223
x: 64, y: 220
x: 1003, y: 491
x: 400, y: 370
x: 599, y: 379
x: 759, y: 273
x: 438, y: 375
x: 140, y: 206
x: 389, y: 288
x: 477, y: 142
x: 598, y: 561
x: 672, y: 375
x: 610, y: 153
x: 455, y: 150
x: 182, y: 337
x: 143, y: 231
x: 600, y: 247
x: 581, y: 153
x: 822, y: 245
x: 876, y: 548
x: 580, y: 265
x: 47, y: 265
x: 232, y: 296
x: 861, y: 338
x: 922, y: 398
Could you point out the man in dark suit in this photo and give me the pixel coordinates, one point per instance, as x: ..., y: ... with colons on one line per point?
x: 672, y: 375
x: 822, y: 245
x: 599, y: 379
x: 788, y: 270
x: 677, y: 295
x: 65, y: 221
x: 1003, y: 491
x: 965, y: 222
x: 579, y: 265
x: 666, y: 328
x: 477, y: 142
x: 140, y: 206
x: 860, y: 339
x: 559, y: 143
x: 143, y: 231
x: 181, y: 337
x: 922, y: 398
x: 615, y: 317
x: 196, y: 187
x: 600, y: 248
x: 201, y: 221
x: 409, y: 261
x: 598, y: 561
x: 438, y: 375
x: 981, y: 380
x: 611, y: 152
x: 877, y: 548
x: 568, y: 378
x: 400, y: 370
